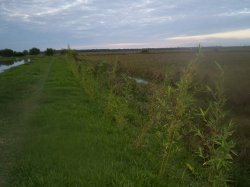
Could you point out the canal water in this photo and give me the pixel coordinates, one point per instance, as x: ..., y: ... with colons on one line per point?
x: 139, y: 80
x: 7, y: 65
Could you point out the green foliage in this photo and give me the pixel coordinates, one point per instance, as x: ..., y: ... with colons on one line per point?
x: 179, y: 102
x: 186, y: 131
x: 117, y: 108
x: 193, y: 139
x: 49, y: 52
x: 34, y: 51
x: 117, y: 104
x: 84, y: 73
x: 145, y: 50
x: 7, y: 53
x: 25, y: 52
x: 11, y: 53
x: 215, y: 136
x: 18, y: 54
x: 70, y: 53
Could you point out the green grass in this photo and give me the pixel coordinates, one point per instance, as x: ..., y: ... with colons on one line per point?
x: 19, y: 89
x: 53, y: 133
x: 62, y: 138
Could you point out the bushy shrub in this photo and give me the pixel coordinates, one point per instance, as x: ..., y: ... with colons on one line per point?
x: 7, y: 52
x: 49, y: 52
x: 34, y: 51
x: 191, y: 137
x: 25, y: 52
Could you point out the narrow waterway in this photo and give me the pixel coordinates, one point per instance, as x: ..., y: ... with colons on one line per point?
x: 139, y: 80
x: 7, y: 65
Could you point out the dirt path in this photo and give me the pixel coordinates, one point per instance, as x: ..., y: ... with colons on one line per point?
x: 59, y: 134
x: 13, y: 130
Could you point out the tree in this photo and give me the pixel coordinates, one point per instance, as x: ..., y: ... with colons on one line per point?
x: 34, y: 51
x: 25, y: 52
x: 49, y: 51
x: 17, y: 54
x: 63, y: 51
x: 145, y: 50
x: 7, y: 52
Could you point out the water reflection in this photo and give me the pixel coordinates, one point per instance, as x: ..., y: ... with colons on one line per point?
x: 139, y: 80
x: 7, y: 65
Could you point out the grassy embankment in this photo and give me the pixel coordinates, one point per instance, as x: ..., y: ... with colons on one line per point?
x: 52, y: 134
x: 71, y: 123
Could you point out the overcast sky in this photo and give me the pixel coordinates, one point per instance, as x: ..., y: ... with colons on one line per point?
x: 123, y: 23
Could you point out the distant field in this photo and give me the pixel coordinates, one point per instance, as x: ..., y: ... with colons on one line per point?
x: 154, y: 65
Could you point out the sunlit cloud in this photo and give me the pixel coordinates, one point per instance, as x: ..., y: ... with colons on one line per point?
x: 121, y: 23
x: 241, y: 12
x: 127, y: 45
x: 36, y: 8
x: 238, y: 34
x: 67, y: 6
x: 112, y: 46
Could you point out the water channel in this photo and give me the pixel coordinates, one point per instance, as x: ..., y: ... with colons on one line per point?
x: 7, y: 65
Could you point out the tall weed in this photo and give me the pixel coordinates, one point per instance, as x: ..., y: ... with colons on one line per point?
x: 189, y: 127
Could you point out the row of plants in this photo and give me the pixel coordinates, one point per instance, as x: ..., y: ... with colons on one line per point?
x: 182, y: 123
x: 32, y: 51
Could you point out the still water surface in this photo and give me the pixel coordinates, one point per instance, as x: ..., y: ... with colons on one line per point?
x: 7, y: 65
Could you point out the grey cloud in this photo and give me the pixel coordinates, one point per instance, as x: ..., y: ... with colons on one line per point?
x: 100, y: 22
x: 241, y: 12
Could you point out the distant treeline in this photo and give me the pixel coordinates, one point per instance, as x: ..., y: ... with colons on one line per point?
x: 50, y: 51
x: 175, y: 49
x: 32, y: 51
